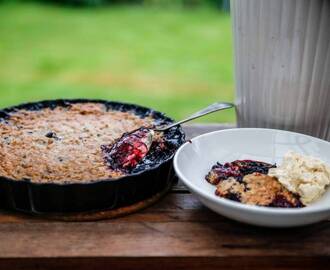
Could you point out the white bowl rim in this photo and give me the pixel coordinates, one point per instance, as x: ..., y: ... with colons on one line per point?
x: 238, y: 205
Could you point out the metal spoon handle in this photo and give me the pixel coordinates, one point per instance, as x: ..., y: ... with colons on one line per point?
x: 209, y: 109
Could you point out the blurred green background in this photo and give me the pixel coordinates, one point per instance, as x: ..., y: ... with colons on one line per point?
x: 174, y: 56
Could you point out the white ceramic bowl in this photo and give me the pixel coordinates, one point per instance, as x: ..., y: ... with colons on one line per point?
x: 194, y: 160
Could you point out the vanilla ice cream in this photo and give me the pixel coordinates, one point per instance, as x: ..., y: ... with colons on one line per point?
x: 304, y: 175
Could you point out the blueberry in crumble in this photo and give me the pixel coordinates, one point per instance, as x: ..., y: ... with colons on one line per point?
x: 237, y: 169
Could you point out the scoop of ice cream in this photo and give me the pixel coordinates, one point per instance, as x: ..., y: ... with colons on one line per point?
x: 304, y: 175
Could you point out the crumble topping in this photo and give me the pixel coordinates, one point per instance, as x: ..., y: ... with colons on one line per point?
x: 257, y: 189
x: 62, y: 144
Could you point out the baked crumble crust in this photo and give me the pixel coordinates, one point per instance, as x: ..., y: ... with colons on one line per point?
x: 257, y: 189
x: 63, y: 145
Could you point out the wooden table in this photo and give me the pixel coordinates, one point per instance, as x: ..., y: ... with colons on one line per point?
x: 176, y: 233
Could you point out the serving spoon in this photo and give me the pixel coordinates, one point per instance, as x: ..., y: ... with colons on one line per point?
x: 132, y: 147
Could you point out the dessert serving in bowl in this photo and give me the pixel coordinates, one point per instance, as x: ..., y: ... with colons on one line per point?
x: 264, y: 177
x: 54, y: 156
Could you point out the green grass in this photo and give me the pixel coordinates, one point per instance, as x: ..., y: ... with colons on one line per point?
x: 174, y: 60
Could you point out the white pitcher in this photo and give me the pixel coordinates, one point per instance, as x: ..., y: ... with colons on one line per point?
x: 282, y: 64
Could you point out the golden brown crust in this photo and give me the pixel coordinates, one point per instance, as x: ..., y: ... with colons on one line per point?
x: 256, y: 189
x: 63, y: 144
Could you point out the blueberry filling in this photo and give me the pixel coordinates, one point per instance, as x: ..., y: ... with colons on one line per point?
x: 233, y: 197
x: 237, y: 169
x: 281, y: 201
x: 128, y: 151
x: 139, y: 150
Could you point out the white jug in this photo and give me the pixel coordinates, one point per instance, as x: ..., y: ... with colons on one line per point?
x: 282, y: 64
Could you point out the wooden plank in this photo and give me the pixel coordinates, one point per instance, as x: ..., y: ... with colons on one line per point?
x: 181, y: 263
x: 179, y: 187
x: 159, y: 239
x: 179, y: 226
x: 173, y: 207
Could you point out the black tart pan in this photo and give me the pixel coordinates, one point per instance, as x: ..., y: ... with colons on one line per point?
x: 144, y: 182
